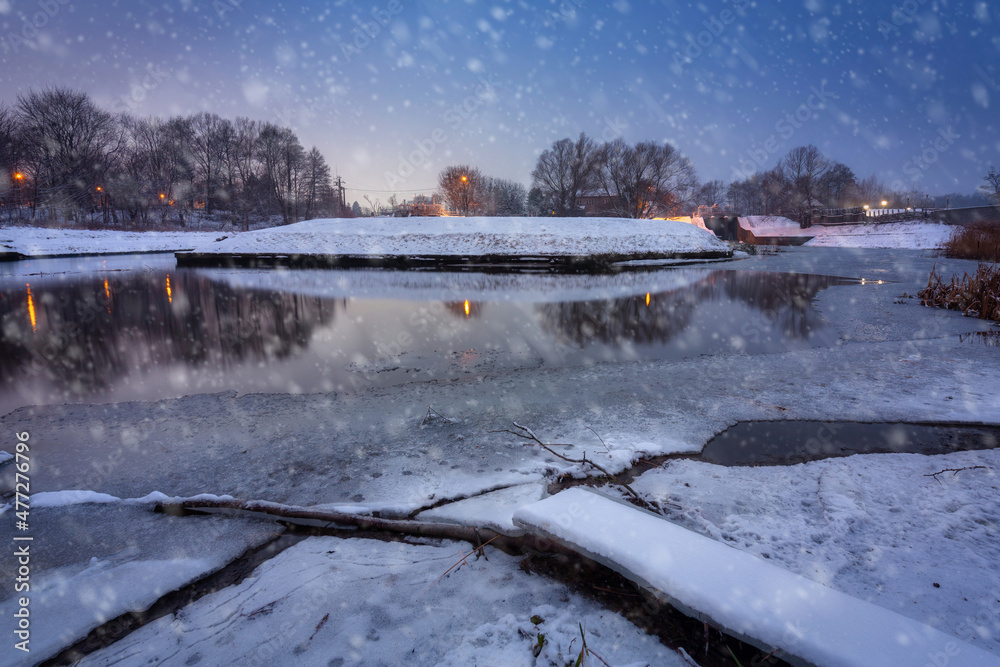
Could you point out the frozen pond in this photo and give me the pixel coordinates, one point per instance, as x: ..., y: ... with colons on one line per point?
x: 113, y: 329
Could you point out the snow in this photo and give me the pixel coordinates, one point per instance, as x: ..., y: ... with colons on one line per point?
x: 92, y: 563
x: 913, y: 234
x: 739, y: 591
x: 332, y: 601
x: 493, y: 510
x: 44, y: 242
x: 874, y: 526
x: 69, y: 497
x: 5, y: 456
x: 530, y: 237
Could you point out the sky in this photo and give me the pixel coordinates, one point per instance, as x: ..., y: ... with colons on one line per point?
x: 392, y: 91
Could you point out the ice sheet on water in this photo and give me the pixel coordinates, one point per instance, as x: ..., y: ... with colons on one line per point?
x: 333, y: 601
x: 91, y: 563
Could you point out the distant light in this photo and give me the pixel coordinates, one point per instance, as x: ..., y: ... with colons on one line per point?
x: 866, y: 207
x: 19, y: 176
x: 163, y: 196
x: 466, y: 307
x: 647, y: 299
x: 884, y: 204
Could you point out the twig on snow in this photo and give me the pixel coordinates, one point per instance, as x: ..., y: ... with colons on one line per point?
x: 953, y: 471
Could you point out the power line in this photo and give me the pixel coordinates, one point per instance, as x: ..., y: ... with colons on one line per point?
x: 392, y: 191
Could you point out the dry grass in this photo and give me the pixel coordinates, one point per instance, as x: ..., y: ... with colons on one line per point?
x: 977, y: 295
x: 977, y: 241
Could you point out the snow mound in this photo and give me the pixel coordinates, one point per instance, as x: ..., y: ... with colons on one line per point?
x: 43, y: 242
x: 69, y: 497
x: 474, y: 236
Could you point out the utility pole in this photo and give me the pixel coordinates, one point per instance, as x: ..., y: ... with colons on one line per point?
x: 340, y: 195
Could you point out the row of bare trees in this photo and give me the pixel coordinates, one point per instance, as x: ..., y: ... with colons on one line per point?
x: 64, y: 157
x: 644, y: 180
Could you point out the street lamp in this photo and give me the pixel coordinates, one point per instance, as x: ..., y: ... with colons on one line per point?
x: 884, y: 203
x: 19, y: 176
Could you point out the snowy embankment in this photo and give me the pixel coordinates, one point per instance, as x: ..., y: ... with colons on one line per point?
x: 36, y: 242
x: 915, y: 235
x: 473, y: 237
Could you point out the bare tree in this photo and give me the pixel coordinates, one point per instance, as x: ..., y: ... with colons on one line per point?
x: 838, y: 186
x: 645, y: 180
x: 68, y: 141
x: 991, y: 186
x: 281, y: 157
x: 805, y: 167
x: 566, y: 171
x: 463, y: 187
x: 712, y: 193
x: 207, y: 135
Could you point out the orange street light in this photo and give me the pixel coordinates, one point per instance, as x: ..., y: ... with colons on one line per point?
x: 464, y: 179
x: 884, y: 203
x: 19, y: 176
x: 163, y: 196
x: 100, y: 189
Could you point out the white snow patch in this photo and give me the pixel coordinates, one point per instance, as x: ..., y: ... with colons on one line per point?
x: 371, y: 602
x: 41, y: 241
x: 492, y: 510
x: 874, y: 526
x: 474, y: 236
x: 69, y: 497
x: 915, y: 234
x: 743, y: 593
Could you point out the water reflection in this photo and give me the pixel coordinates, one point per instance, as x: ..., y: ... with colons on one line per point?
x: 778, y: 304
x: 117, y: 335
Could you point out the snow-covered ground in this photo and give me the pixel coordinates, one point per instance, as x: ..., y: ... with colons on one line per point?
x: 530, y: 237
x: 748, y: 595
x: 331, y: 601
x: 42, y: 242
x: 875, y: 526
x: 917, y: 235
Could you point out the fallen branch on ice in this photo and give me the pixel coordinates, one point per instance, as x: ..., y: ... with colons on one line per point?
x: 953, y: 471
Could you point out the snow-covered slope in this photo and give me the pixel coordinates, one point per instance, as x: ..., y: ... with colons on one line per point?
x: 474, y: 236
x: 43, y: 242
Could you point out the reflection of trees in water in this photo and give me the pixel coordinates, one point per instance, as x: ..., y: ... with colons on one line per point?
x: 90, y: 334
x: 784, y: 300
x: 617, y: 321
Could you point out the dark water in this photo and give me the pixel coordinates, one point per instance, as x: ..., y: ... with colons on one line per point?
x: 788, y: 442
x: 124, y: 334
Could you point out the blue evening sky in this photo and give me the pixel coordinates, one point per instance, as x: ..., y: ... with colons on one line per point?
x: 906, y: 90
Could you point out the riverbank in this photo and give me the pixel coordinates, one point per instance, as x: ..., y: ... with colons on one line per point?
x: 579, y: 244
